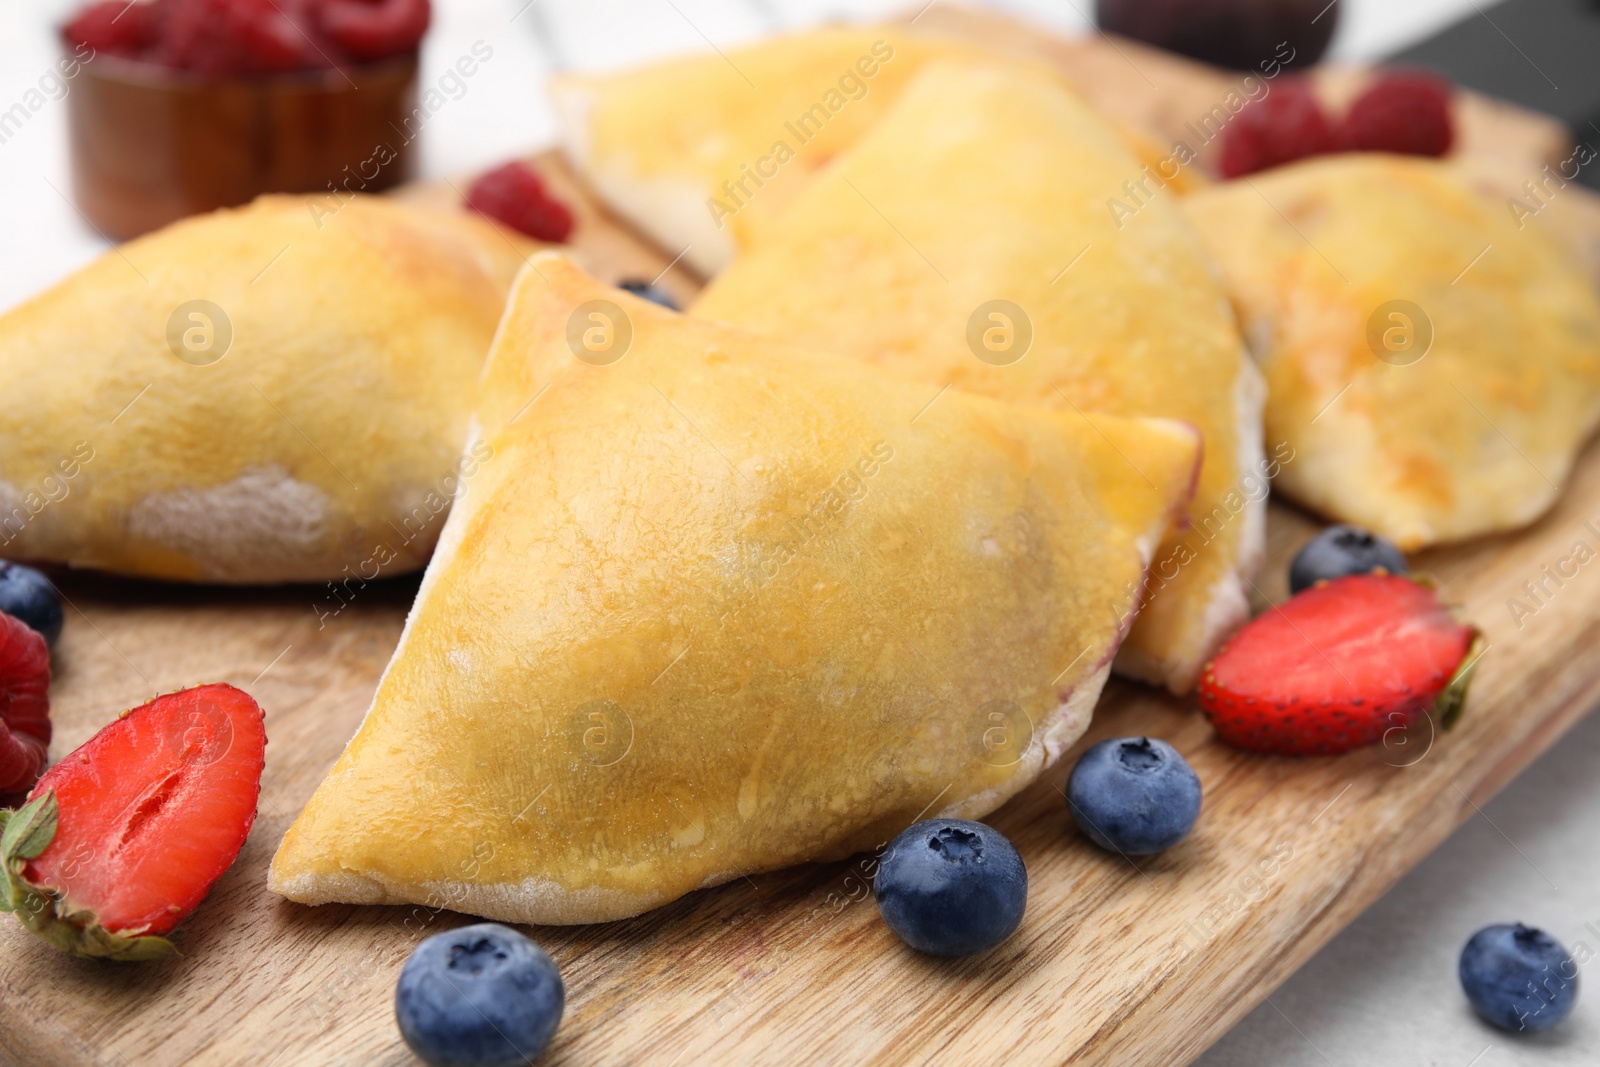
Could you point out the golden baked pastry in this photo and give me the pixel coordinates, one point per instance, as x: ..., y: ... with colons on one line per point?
x: 696, y: 150
x: 973, y: 239
x: 713, y: 605
x: 1434, y: 367
x: 274, y: 393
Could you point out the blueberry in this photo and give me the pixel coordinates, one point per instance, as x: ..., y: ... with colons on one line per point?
x: 1341, y: 550
x: 1519, y: 978
x: 480, y: 996
x: 951, y: 887
x: 30, y: 597
x: 652, y: 293
x: 1134, y: 795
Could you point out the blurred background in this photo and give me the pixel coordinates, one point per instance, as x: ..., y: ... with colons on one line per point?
x: 504, y: 113
x: 1383, y: 992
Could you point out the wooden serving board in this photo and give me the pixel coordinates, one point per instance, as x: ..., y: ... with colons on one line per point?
x: 1171, y: 96
x: 1116, y: 962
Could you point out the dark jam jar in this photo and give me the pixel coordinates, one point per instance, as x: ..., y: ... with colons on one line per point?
x: 1254, y: 35
x: 184, y: 107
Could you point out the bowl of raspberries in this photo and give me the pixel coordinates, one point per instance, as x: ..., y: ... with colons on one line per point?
x: 185, y: 106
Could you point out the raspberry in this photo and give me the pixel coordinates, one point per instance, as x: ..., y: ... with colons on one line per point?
x: 116, y: 27
x: 375, y: 29
x: 515, y: 195
x: 237, y: 37
x: 1406, y: 112
x: 1285, y: 125
x: 222, y: 38
x: 24, y: 705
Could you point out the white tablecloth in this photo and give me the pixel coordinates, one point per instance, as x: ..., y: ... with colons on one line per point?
x: 1384, y: 991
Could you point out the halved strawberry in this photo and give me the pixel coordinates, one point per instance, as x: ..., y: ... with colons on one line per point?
x: 125, y: 836
x: 24, y: 705
x: 1337, y: 666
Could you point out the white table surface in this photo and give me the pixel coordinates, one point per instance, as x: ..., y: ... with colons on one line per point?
x: 1384, y: 991
x: 503, y: 113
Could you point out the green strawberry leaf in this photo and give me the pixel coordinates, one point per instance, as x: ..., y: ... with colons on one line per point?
x: 79, y: 933
x: 5, y: 868
x: 1452, y: 699
x: 5, y: 820
x: 24, y: 834
x: 140, y: 949
x: 29, y: 830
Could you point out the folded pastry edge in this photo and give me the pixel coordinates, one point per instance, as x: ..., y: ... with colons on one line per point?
x: 541, y: 902
x: 1066, y: 725
x: 668, y: 212
x: 303, y: 888
x: 1228, y: 605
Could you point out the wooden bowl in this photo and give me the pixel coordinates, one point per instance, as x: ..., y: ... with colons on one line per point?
x: 151, y: 145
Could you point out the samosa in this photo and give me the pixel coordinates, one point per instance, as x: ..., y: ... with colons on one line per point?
x: 697, y: 150
x: 274, y: 393
x: 1433, y: 363
x: 712, y: 605
x: 700, y: 151
x: 984, y: 236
